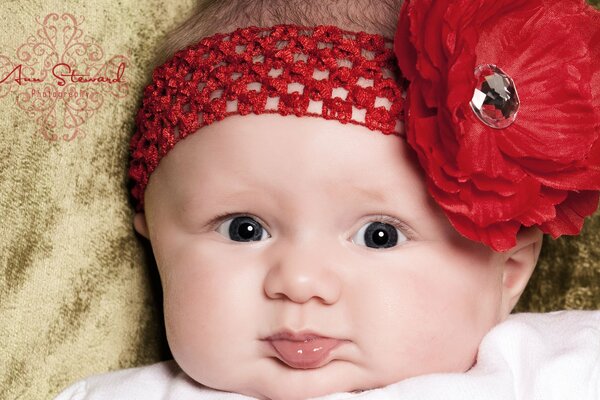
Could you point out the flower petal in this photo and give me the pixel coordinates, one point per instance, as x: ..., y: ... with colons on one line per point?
x: 500, y: 236
x: 570, y: 213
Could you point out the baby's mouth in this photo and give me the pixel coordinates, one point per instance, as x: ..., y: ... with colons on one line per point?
x: 304, y: 351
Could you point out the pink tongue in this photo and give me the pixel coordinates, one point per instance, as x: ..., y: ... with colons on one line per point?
x: 305, y: 353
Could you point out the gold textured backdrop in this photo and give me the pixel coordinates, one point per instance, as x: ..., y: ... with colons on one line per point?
x: 76, y: 296
x: 78, y: 291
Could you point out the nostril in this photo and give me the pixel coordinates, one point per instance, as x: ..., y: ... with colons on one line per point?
x: 301, y: 278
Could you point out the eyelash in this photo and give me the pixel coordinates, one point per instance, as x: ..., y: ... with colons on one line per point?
x: 217, y: 220
x: 401, y: 226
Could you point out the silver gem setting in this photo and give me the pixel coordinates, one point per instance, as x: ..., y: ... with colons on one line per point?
x: 495, y: 99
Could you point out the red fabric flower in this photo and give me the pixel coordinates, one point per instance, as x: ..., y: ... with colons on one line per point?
x: 544, y: 169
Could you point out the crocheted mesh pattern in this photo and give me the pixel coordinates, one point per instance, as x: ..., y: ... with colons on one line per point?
x: 323, y: 71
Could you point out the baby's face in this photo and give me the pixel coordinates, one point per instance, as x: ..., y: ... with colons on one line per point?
x: 261, y: 224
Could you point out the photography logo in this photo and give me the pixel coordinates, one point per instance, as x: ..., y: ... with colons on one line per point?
x: 60, y: 77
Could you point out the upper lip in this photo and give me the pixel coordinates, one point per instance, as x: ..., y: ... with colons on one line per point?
x: 287, y: 334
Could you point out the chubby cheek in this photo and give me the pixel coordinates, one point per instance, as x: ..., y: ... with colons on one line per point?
x: 433, y: 310
x: 211, y: 311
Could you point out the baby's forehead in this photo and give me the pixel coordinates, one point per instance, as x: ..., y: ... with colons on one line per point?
x: 298, y: 145
x: 294, y: 160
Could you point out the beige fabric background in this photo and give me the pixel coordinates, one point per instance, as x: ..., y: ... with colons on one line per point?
x: 75, y: 297
x: 77, y: 286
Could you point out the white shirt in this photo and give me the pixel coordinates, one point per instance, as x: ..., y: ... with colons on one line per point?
x: 530, y: 356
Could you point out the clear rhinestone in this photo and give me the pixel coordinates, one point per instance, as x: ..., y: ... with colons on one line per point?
x: 495, y: 100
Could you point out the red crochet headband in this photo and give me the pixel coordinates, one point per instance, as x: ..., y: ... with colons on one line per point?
x: 503, y: 106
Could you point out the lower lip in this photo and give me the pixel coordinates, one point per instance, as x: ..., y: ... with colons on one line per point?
x: 305, y: 354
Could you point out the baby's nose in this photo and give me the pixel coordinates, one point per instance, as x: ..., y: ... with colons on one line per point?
x: 300, y: 271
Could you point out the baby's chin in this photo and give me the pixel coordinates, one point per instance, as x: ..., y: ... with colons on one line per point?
x: 280, y: 382
x: 338, y: 376
x: 281, y: 391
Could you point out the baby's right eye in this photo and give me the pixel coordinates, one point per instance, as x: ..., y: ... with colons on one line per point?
x: 242, y: 229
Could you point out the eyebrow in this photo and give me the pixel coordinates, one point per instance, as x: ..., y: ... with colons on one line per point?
x: 188, y: 201
x: 374, y: 195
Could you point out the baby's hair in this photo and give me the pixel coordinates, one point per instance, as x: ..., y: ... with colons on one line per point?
x: 222, y: 16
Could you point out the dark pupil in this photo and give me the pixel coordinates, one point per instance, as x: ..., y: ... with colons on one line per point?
x: 245, y: 229
x: 381, y: 235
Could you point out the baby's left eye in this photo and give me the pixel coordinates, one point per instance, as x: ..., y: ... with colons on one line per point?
x: 378, y: 235
x: 242, y: 228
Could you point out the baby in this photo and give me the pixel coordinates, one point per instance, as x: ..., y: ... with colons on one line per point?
x: 303, y: 246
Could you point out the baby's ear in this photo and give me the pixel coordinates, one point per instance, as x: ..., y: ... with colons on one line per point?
x: 139, y: 223
x: 519, y: 263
